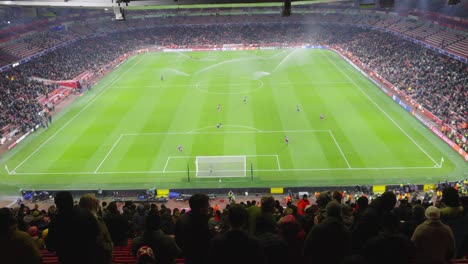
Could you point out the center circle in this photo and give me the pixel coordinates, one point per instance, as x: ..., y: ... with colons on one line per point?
x: 220, y: 86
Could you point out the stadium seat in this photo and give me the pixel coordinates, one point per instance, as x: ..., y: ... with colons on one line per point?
x: 50, y: 260
x: 124, y: 260
x: 121, y: 253
x: 459, y: 261
x: 45, y: 253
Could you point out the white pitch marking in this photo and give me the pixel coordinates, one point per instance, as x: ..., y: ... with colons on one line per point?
x: 383, y: 111
x: 108, y: 153
x: 221, y: 85
x: 223, y: 132
x: 77, y: 114
x: 277, y: 160
x: 342, y: 154
x: 147, y: 172
x: 167, y: 162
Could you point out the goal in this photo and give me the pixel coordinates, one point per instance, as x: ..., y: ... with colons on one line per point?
x: 220, y: 166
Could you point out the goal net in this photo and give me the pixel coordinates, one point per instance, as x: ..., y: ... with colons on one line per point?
x: 220, y: 166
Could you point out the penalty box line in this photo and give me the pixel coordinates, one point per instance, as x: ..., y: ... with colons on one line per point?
x: 226, y: 132
x: 188, y: 157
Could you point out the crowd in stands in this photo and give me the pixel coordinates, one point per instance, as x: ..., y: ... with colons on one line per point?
x: 436, y: 81
x: 330, y: 229
x: 18, y: 100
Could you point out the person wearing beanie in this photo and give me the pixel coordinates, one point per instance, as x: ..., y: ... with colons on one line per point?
x: 434, y: 240
x: 145, y: 255
x: 16, y: 247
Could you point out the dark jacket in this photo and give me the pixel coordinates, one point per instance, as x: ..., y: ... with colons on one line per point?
x: 234, y: 247
x: 193, y: 236
x: 118, y: 228
x: 74, y: 235
x: 164, y: 247
x: 327, y: 242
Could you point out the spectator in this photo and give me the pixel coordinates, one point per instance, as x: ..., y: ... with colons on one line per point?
x: 389, y: 246
x: 322, y: 200
x: 294, y: 236
x: 34, y: 233
x: 371, y: 220
x: 103, y: 253
x: 117, y: 225
x: 302, y: 204
x: 274, y: 247
x: 16, y: 247
x: 164, y: 246
x: 192, y: 232
x: 249, y: 247
x: 452, y: 215
x: 139, y: 219
x: 417, y: 217
x: 321, y: 244
x: 266, y: 210
x: 145, y: 255
x: 434, y: 240
x: 72, y: 220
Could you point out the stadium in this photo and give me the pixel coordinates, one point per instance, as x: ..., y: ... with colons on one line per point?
x: 146, y: 104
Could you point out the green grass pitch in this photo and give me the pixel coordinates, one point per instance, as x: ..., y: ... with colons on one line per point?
x: 125, y: 132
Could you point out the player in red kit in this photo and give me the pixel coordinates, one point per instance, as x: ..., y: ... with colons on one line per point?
x: 286, y: 139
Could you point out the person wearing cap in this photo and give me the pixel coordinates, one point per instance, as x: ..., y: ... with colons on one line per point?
x: 434, y: 240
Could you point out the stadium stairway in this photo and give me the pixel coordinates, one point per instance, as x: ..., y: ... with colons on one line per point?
x: 120, y: 255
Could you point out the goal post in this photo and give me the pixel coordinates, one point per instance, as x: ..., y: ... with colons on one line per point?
x: 220, y: 166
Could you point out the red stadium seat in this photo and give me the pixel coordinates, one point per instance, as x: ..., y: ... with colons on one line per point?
x: 459, y: 261
x: 45, y: 253
x: 121, y: 253
x: 50, y: 260
x: 124, y: 260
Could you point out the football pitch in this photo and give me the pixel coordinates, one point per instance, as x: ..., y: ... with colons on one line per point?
x: 126, y: 132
